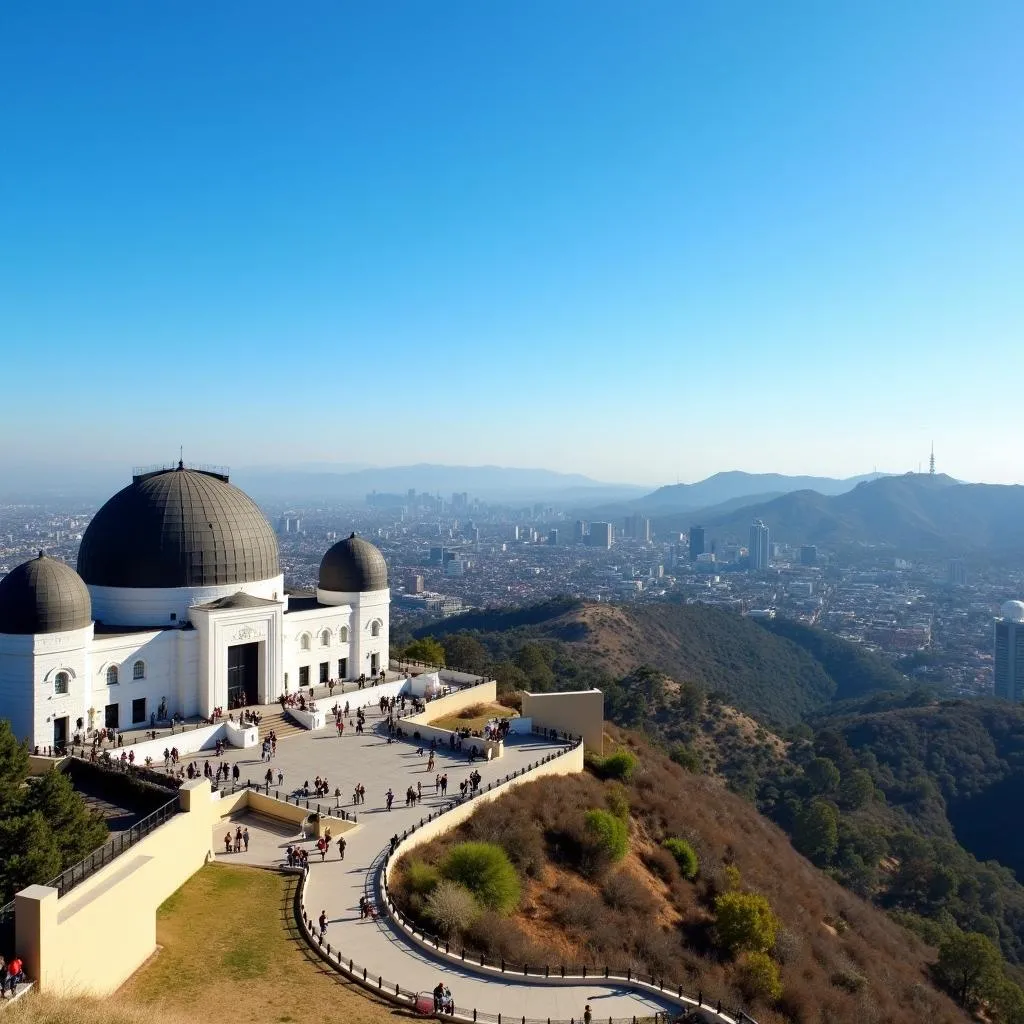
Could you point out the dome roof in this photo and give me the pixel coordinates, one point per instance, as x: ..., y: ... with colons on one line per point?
x: 43, y: 596
x: 1013, y: 610
x: 353, y: 566
x: 178, y: 528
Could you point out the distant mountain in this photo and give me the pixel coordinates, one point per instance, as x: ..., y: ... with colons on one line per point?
x: 733, y: 485
x: 491, y: 483
x: 915, y: 512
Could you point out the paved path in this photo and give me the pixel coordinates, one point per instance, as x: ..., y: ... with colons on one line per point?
x: 336, y: 886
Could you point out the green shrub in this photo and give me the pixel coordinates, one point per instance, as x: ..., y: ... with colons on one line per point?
x: 608, y: 835
x: 617, y: 800
x: 485, y: 870
x: 686, y: 757
x: 621, y: 765
x: 421, y: 878
x: 745, y: 923
x: 758, y: 977
x: 685, y: 855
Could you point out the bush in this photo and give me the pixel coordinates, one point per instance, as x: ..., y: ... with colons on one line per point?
x: 608, y: 835
x: 421, y: 878
x: 618, y: 801
x: 623, y: 891
x: 745, y: 923
x: 452, y: 907
x: 758, y: 977
x: 621, y: 765
x: 686, y: 757
x: 685, y: 855
x: 485, y: 870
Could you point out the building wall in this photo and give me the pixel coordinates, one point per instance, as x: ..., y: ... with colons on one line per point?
x: 373, y: 606
x: 312, y: 623
x: 153, y: 606
x: 580, y: 713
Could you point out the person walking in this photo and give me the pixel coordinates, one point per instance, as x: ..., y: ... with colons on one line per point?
x: 236, y: 772
x: 323, y: 922
x: 587, y: 1015
x: 245, y: 838
x: 227, y: 842
x: 390, y: 798
x: 238, y: 839
x: 341, y: 847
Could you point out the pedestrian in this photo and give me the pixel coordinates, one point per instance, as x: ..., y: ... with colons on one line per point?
x: 245, y: 838
x: 587, y: 1015
x: 15, y: 974
x: 341, y: 847
x: 235, y: 772
x: 227, y: 842
x: 269, y: 776
x: 280, y: 777
x: 390, y: 798
x: 238, y: 839
x: 323, y: 922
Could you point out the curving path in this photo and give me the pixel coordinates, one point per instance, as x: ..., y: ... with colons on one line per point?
x: 335, y: 886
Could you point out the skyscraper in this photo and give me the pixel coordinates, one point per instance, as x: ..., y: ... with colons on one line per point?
x: 638, y: 528
x: 957, y: 572
x: 697, y: 542
x: 760, y: 545
x: 581, y: 532
x: 601, y: 535
x: 1009, y: 651
x: 553, y: 537
x: 808, y: 554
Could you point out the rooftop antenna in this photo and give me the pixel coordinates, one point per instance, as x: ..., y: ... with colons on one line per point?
x: 931, y: 461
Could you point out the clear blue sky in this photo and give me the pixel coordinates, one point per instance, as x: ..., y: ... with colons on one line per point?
x: 636, y: 240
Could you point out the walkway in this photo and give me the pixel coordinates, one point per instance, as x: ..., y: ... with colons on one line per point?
x: 335, y: 886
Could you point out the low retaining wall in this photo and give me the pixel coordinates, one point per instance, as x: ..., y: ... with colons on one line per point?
x: 566, y: 762
x: 307, y: 719
x: 452, y: 704
x: 205, y: 738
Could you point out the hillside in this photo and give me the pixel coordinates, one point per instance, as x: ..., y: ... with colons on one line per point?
x: 777, y: 674
x: 915, y: 512
x: 730, y: 486
x: 838, y: 958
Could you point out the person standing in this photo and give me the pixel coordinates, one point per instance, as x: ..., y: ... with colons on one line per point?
x: 323, y: 922
x: 341, y: 847
x: 390, y: 798
x: 227, y: 842
x: 587, y: 1015
x: 245, y: 838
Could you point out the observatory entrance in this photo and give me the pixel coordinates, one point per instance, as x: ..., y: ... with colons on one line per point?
x: 243, y: 674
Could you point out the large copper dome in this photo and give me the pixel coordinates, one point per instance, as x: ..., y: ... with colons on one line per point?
x: 353, y: 566
x: 43, y: 596
x: 178, y: 528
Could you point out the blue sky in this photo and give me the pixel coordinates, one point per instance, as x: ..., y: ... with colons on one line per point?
x: 640, y: 241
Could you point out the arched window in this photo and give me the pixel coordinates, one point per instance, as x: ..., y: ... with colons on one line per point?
x: 343, y: 634
x: 325, y: 638
x: 304, y: 641
x: 61, y: 681
x: 112, y: 675
x: 139, y: 670
x: 375, y: 628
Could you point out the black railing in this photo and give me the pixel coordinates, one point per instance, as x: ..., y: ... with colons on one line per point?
x: 88, y: 866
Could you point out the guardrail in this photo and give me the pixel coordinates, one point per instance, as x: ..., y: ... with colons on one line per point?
x: 110, y: 851
x: 478, y: 964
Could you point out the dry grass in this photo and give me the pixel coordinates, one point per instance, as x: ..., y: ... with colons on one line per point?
x: 643, y: 913
x: 475, y: 717
x: 228, y: 944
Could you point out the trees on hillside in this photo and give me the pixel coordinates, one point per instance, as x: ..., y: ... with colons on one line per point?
x: 45, y: 825
x: 426, y: 649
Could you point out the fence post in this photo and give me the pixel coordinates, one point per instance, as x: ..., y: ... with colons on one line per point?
x: 380, y: 981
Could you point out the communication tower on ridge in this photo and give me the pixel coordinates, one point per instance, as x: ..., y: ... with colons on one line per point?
x: 931, y: 461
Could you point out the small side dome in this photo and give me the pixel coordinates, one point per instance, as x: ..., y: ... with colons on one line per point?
x: 353, y: 566
x: 43, y: 596
x: 1013, y: 610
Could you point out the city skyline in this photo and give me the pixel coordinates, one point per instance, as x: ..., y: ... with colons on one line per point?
x: 559, y: 236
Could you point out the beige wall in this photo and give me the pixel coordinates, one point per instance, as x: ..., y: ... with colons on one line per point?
x: 579, y: 713
x: 452, y: 704
x: 98, y: 934
x: 569, y: 763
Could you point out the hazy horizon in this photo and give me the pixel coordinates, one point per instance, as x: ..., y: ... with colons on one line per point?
x: 643, y: 245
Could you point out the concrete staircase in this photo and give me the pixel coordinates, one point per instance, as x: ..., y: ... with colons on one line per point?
x: 277, y: 721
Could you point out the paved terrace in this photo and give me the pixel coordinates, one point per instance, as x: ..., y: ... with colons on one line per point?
x: 335, y: 885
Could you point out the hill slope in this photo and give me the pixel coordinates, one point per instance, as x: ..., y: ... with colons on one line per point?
x: 912, y: 512
x: 839, y: 959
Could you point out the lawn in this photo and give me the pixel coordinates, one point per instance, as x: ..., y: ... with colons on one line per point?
x: 228, y: 944
x: 475, y: 717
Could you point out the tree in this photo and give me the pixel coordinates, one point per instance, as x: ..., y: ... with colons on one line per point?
x: 816, y: 831
x: 509, y: 677
x: 621, y: 765
x: 13, y: 765
x: 534, y: 660
x: 426, y: 649
x: 685, y: 855
x: 608, y: 836
x: 745, y: 922
x: 76, y: 830
x: 485, y: 870
x: 855, y: 789
x: 466, y: 653
x: 823, y: 775
x: 970, y: 966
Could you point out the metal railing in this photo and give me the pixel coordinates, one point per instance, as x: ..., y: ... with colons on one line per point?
x: 110, y: 851
x: 320, y: 810
x: 475, y: 961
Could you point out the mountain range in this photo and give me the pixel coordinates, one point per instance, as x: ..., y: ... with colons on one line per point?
x: 915, y: 512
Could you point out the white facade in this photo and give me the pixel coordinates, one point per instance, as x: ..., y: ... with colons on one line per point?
x: 56, y: 686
